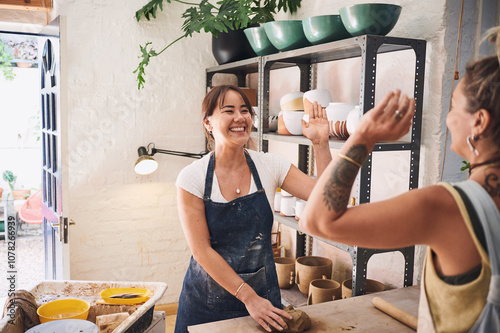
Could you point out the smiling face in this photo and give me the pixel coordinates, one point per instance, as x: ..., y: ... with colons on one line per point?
x: 231, y: 121
x: 460, y: 122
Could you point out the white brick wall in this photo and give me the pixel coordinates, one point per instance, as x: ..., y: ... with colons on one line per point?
x: 127, y: 226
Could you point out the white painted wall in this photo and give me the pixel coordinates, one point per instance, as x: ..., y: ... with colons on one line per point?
x: 127, y: 226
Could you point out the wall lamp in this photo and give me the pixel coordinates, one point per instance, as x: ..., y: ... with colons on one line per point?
x: 146, y: 164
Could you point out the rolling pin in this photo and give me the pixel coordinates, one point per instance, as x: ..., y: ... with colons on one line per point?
x: 396, y: 313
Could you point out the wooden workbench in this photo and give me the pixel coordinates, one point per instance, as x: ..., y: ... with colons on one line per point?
x: 355, y: 314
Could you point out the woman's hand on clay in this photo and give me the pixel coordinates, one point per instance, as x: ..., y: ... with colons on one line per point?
x: 316, y: 129
x: 264, y: 313
x: 389, y: 120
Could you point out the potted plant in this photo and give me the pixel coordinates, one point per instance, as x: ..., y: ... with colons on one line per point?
x: 11, y: 179
x: 225, y: 16
x: 5, y: 62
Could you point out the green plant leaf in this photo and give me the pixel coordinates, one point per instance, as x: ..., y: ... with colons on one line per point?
x: 10, y: 178
x: 466, y: 166
x: 149, y: 9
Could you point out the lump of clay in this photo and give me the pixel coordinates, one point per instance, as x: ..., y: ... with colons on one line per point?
x: 300, y: 321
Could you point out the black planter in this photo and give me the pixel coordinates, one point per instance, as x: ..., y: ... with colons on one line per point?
x: 231, y: 46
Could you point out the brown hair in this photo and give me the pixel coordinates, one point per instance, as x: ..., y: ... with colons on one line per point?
x: 215, y: 99
x: 482, y: 90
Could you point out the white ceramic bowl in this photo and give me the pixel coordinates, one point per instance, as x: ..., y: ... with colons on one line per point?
x: 322, y: 96
x: 337, y: 119
x: 289, y: 122
x: 292, y: 101
x: 352, y: 119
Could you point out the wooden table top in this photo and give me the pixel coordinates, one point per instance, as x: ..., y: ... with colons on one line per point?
x: 355, y: 314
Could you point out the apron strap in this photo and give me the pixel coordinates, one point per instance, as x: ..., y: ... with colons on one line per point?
x: 209, y: 178
x: 210, y: 175
x: 254, y: 172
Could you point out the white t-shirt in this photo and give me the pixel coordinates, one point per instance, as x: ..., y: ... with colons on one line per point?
x: 272, y: 170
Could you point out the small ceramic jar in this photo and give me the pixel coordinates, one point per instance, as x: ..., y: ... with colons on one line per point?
x: 287, y: 204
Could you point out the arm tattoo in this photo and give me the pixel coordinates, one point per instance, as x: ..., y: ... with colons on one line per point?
x: 338, y: 187
x: 491, y: 185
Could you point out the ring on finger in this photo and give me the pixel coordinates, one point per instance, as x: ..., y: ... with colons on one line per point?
x: 398, y: 114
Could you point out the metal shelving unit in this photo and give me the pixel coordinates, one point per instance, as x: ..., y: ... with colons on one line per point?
x: 366, y: 47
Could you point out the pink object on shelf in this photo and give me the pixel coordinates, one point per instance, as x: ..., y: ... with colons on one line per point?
x: 31, y: 210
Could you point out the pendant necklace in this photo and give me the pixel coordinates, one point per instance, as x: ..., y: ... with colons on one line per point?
x: 238, y: 187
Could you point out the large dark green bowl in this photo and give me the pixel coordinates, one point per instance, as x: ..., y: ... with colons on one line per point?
x: 324, y: 29
x: 286, y: 35
x: 370, y: 18
x: 259, y: 41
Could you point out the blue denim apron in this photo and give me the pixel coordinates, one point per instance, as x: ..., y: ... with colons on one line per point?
x: 240, y: 231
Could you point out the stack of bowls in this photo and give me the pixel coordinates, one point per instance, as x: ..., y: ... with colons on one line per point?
x: 290, y: 116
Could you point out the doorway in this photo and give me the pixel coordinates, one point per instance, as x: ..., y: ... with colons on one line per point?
x: 20, y: 152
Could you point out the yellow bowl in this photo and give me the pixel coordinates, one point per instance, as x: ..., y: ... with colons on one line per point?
x: 141, y: 298
x: 63, y: 309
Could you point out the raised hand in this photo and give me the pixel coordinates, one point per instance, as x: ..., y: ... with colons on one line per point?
x: 316, y: 129
x: 389, y: 120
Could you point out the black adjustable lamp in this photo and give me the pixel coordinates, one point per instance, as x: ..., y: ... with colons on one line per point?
x: 146, y: 164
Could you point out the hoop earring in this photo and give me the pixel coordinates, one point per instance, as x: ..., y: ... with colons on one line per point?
x: 471, y: 146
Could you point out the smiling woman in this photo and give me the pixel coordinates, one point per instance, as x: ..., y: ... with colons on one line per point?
x: 224, y: 202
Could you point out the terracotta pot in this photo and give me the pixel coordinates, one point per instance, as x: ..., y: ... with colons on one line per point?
x: 372, y: 286
x: 1, y: 193
x: 323, y: 290
x: 285, y: 268
x: 21, y: 194
x: 310, y: 268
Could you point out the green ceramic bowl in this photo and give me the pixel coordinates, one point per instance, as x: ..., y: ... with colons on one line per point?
x: 324, y: 29
x: 286, y: 35
x: 259, y: 41
x: 370, y: 18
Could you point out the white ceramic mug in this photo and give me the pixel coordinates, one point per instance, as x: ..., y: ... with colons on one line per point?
x: 287, y: 204
x: 299, y: 207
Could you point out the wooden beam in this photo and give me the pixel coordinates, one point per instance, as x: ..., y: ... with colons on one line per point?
x: 38, y: 5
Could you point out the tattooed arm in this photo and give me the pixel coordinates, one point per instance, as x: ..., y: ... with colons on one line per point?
x: 330, y: 196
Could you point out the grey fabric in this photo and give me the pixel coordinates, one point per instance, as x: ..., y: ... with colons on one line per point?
x: 488, y: 214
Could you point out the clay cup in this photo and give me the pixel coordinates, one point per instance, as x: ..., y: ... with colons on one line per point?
x: 310, y: 268
x: 323, y: 290
x: 285, y: 268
